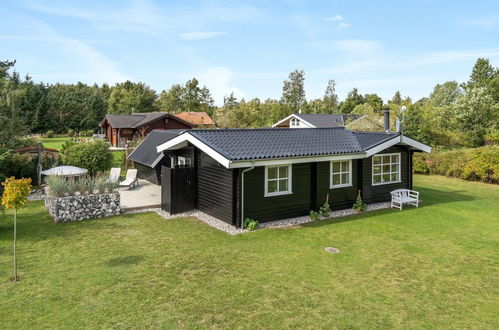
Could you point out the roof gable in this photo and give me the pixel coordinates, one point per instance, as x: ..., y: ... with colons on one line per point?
x: 195, y: 118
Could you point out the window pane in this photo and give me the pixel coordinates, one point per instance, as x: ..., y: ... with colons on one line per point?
x: 386, y: 159
x: 394, y: 177
x: 377, y: 160
x: 395, y: 158
x: 272, y: 174
x: 377, y: 179
x: 283, y: 172
x: 336, y: 167
x: 395, y: 168
x: 336, y: 179
x: 377, y: 169
x: 386, y: 177
x: 344, y: 166
x: 272, y: 186
x: 386, y: 168
x: 344, y: 178
x: 283, y: 185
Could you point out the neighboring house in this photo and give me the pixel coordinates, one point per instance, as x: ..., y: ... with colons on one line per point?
x: 298, y: 120
x: 122, y: 129
x: 199, y: 119
x: 270, y: 174
x: 147, y: 161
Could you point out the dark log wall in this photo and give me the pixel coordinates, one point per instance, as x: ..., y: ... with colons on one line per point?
x: 215, y: 183
x: 261, y: 208
x: 339, y: 198
x: 381, y: 193
x: 150, y: 174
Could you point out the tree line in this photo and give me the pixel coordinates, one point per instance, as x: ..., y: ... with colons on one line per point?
x: 453, y: 114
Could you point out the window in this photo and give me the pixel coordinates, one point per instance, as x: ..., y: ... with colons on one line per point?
x: 277, y: 180
x: 386, y: 168
x: 183, y: 162
x: 294, y: 122
x: 341, y: 174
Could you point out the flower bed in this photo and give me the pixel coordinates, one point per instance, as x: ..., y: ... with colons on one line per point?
x: 80, y: 207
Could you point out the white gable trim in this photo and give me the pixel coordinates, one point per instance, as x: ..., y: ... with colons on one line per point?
x: 415, y: 144
x: 307, y: 124
x: 182, y: 141
x: 401, y: 139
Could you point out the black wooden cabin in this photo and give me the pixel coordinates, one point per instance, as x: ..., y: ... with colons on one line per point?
x: 271, y: 174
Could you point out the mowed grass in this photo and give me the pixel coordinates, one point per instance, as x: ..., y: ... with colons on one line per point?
x: 432, y: 267
x: 55, y: 142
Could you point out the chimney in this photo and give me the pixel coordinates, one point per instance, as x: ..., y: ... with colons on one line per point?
x: 386, y: 117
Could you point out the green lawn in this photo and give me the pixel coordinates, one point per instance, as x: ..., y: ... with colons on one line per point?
x: 55, y: 143
x: 432, y: 267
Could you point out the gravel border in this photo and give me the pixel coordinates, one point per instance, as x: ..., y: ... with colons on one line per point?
x: 232, y: 230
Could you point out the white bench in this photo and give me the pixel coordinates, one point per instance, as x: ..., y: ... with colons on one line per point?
x: 404, y: 196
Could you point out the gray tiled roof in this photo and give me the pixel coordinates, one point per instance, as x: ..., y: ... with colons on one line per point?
x: 266, y: 143
x: 327, y: 120
x: 146, y: 153
x: 369, y: 140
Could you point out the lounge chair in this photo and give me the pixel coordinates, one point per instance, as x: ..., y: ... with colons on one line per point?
x: 404, y: 196
x: 130, y: 179
x: 114, y: 175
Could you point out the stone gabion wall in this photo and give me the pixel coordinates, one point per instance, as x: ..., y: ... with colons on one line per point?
x: 80, y: 207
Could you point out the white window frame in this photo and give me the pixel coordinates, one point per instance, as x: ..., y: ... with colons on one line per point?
x: 290, y: 181
x: 349, y: 184
x: 390, y: 173
x: 294, y: 122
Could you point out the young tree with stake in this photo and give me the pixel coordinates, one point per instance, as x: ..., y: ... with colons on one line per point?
x: 14, y: 197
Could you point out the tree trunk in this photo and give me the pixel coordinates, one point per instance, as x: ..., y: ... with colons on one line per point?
x: 15, y: 239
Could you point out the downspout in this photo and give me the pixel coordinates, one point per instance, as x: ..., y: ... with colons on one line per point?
x: 242, y: 192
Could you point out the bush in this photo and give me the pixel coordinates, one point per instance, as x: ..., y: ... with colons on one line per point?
x: 58, y: 186
x: 91, y: 155
x: 87, y: 133
x: 16, y: 165
x: 492, y: 138
x: 315, y: 216
x: 250, y: 224
x: 325, y: 210
x: 71, y: 132
x: 359, y: 204
x: 480, y: 164
x: 49, y: 134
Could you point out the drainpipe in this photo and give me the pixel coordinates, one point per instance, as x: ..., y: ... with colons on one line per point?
x: 242, y: 192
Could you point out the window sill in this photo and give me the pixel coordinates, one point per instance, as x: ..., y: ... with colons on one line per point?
x: 340, y: 186
x: 384, y: 183
x: 281, y: 193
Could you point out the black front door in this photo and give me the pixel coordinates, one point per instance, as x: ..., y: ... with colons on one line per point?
x: 177, y: 189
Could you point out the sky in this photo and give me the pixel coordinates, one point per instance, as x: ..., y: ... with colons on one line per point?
x: 250, y: 47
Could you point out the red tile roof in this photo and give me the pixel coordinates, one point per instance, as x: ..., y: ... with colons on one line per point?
x: 196, y: 118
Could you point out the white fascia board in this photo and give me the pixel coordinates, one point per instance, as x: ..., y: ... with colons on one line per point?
x: 383, y: 146
x: 182, y: 140
x: 294, y: 116
x: 415, y: 144
x: 298, y: 160
x: 153, y: 165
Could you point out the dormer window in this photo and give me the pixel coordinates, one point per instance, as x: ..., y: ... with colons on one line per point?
x: 294, y: 122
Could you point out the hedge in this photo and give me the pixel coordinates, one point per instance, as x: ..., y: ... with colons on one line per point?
x: 478, y: 164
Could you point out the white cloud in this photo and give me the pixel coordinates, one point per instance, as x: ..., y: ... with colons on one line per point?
x: 335, y: 18
x: 200, y: 35
x: 219, y: 80
x: 356, y: 45
x: 343, y: 25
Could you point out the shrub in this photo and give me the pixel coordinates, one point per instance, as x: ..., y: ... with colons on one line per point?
x: 16, y: 165
x: 492, y: 138
x: 49, y: 134
x: 314, y: 216
x: 71, y: 132
x: 359, y: 204
x: 91, y: 155
x: 481, y: 164
x: 250, y: 224
x: 325, y: 210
